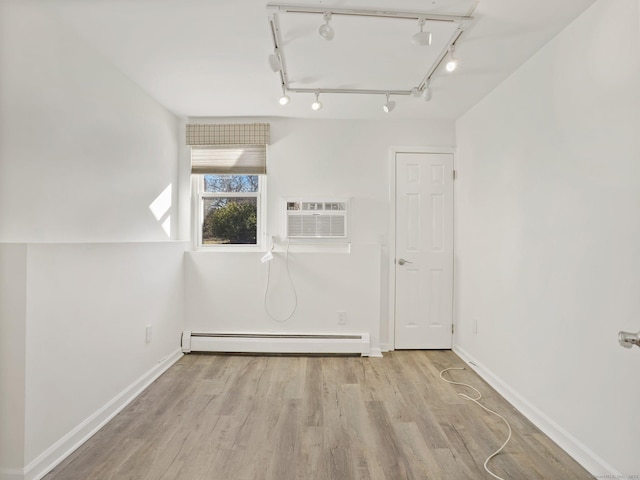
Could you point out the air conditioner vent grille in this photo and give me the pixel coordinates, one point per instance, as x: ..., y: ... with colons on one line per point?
x: 316, y: 219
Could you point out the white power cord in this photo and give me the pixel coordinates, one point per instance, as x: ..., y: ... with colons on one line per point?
x: 477, y: 402
x: 293, y: 287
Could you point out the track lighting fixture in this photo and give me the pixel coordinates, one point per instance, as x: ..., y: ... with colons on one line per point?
x: 421, y: 39
x: 284, y: 99
x: 389, y: 106
x: 427, y: 94
x: 326, y: 31
x: 274, y: 62
x: 452, y: 64
x: 317, y: 105
x: 445, y: 41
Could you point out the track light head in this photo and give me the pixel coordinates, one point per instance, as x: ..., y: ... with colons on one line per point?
x: 452, y: 64
x: 389, y: 106
x: 427, y: 94
x: 274, y: 62
x: 284, y: 99
x: 421, y: 39
x: 317, y: 105
x: 326, y: 31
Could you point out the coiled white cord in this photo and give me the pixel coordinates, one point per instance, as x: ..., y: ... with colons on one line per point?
x: 293, y: 287
x: 477, y: 402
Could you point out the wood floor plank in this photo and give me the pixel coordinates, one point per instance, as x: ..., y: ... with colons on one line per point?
x: 312, y: 401
x: 388, y: 446
x: 251, y: 417
x: 421, y: 461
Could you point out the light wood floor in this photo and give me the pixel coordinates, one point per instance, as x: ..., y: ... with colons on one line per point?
x: 288, y: 418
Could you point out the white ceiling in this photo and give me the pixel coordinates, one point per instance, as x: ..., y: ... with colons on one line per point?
x: 209, y: 57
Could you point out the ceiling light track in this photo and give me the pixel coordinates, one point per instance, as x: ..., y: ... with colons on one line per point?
x: 422, y: 39
x: 275, y: 33
x: 349, y: 90
x: 441, y: 57
x: 365, y: 12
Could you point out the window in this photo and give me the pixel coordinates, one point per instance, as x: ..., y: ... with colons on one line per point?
x: 230, y: 210
x: 228, y: 171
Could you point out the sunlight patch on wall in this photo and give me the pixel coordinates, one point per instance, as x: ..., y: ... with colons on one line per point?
x: 160, y: 209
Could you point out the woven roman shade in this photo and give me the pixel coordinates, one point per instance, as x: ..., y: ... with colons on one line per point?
x: 229, y: 148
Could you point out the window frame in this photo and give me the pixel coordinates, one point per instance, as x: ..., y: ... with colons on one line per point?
x: 198, y: 195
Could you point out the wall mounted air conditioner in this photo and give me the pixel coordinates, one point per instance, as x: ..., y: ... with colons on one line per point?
x: 307, y: 218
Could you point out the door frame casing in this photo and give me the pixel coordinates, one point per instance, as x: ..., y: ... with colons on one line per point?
x: 393, y: 151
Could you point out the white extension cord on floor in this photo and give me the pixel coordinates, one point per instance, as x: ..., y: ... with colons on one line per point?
x: 477, y: 402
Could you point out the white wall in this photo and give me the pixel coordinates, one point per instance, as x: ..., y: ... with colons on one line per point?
x: 548, y: 236
x: 87, y: 308
x: 314, y: 158
x: 13, y: 286
x: 219, y: 299
x: 84, y: 152
x: 88, y: 171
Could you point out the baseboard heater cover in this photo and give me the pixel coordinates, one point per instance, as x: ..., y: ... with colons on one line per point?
x: 275, y: 343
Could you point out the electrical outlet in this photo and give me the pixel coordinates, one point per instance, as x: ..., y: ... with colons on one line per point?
x: 148, y: 333
x: 342, y: 318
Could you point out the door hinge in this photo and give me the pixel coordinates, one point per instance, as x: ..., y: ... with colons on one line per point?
x: 452, y: 328
x: 454, y: 174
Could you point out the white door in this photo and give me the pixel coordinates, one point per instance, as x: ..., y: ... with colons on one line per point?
x: 424, y: 251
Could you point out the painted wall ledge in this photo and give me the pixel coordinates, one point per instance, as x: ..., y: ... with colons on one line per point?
x: 344, y: 247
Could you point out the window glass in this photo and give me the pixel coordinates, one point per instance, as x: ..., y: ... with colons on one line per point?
x: 230, y: 183
x: 230, y: 220
x: 230, y: 210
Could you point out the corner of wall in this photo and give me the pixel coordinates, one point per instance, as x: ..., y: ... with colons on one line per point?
x: 61, y: 449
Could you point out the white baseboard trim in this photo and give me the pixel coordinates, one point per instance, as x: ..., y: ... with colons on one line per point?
x: 64, y: 447
x: 375, y: 352
x: 576, y: 449
x: 260, y: 342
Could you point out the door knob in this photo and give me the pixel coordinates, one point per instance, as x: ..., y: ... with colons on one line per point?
x: 402, y: 261
x: 628, y: 339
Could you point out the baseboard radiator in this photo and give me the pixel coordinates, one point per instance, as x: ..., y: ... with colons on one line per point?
x: 275, y: 343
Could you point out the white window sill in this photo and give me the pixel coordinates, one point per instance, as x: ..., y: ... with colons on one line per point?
x: 280, y: 247
x: 231, y: 249
x: 344, y: 247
